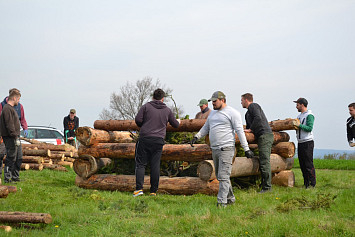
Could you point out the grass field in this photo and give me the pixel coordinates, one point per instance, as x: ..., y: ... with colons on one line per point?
x: 327, y: 210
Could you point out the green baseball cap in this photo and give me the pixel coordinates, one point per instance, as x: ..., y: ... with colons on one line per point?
x: 217, y: 95
x: 203, y: 102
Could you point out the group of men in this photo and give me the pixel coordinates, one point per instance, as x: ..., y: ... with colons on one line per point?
x: 222, y: 123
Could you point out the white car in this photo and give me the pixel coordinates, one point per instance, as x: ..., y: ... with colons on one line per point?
x: 44, y: 134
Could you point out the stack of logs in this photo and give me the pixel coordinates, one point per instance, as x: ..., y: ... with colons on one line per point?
x: 107, y: 141
x: 41, y: 156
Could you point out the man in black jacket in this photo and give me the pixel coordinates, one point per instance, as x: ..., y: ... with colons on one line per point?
x: 10, y: 132
x: 257, y: 123
x: 152, y: 118
x: 350, y: 125
x: 71, y: 123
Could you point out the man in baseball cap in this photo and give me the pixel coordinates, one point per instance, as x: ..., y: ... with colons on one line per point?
x: 205, y: 111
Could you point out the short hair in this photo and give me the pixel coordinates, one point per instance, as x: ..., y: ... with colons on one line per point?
x: 13, y: 89
x: 352, y: 105
x: 14, y: 93
x: 248, y: 96
x: 158, y: 94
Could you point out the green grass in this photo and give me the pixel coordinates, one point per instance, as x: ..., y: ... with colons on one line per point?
x: 327, y: 210
x: 330, y: 164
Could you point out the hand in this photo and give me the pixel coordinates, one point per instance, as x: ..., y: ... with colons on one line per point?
x: 352, y: 144
x: 178, y: 120
x: 249, y: 154
x: 296, y: 123
x: 247, y: 130
x: 193, y: 141
x: 71, y: 138
x: 25, y: 133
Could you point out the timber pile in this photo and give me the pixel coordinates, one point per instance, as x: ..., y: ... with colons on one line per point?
x: 113, y: 139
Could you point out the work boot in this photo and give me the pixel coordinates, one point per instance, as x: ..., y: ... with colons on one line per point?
x: 265, y: 190
x: 137, y: 193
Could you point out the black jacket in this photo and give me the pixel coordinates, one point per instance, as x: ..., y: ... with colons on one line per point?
x: 350, y: 128
x: 256, y: 120
x: 70, y: 126
x: 9, y: 122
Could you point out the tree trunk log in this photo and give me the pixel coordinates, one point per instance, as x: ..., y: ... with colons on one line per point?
x: 64, y: 147
x: 186, y: 125
x: 57, y: 157
x: 42, y: 152
x: 69, y: 159
x: 6, y: 228
x: 4, y: 191
x: 181, y: 152
x: 12, y: 189
x: 284, y: 149
x: 87, y: 165
x: 25, y: 166
x: 48, y: 161
x: 27, y: 217
x: 54, y: 167
x: 243, y: 166
x: 32, y: 159
x: 278, y: 137
x: 66, y: 163
x: 284, y: 178
x: 127, y: 183
x: 33, y: 166
x: 65, y: 153
x: 89, y: 136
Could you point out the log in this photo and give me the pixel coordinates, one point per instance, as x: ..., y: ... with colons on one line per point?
x: 25, y: 166
x: 12, y: 189
x: 186, y: 125
x: 54, y: 167
x: 52, y: 147
x: 89, y: 136
x: 127, y: 183
x: 4, y: 191
x: 284, y: 149
x: 66, y: 163
x: 65, y: 153
x: 278, y: 137
x: 181, y: 152
x: 285, y: 178
x: 32, y: 159
x: 48, y: 161
x: 69, y: 159
x: 25, y: 217
x: 33, y: 166
x: 32, y: 152
x: 243, y: 166
x: 57, y: 157
x: 87, y: 165
x: 6, y: 228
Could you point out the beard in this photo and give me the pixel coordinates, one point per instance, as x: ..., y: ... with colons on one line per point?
x: 217, y: 108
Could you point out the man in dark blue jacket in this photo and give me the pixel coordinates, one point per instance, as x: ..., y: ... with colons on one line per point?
x: 152, y: 118
x: 71, y: 123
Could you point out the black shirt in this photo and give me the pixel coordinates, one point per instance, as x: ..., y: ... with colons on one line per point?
x: 350, y: 128
x: 256, y: 120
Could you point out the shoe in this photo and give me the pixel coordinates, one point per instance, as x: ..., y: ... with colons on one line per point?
x: 221, y: 205
x: 17, y: 180
x: 230, y: 202
x: 265, y: 190
x: 137, y: 193
x: 7, y: 181
x: 153, y: 194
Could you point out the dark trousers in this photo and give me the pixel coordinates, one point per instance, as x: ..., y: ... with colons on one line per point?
x: 2, y: 155
x: 13, y: 159
x: 305, y: 157
x: 148, y: 150
x: 264, y: 146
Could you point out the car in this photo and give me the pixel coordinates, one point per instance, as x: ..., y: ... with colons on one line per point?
x: 44, y: 134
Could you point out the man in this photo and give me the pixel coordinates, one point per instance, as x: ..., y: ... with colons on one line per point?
x: 205, y: 111
x: 257, y: 123
x: 71, y: 123
x: 221, y: 125
x: 21, y: 114
x: 350, y: 125
x: 152, y: 118
x: 305, y: 142
x: 10, y: 132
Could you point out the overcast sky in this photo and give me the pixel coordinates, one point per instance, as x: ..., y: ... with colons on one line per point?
x: 74, y: 54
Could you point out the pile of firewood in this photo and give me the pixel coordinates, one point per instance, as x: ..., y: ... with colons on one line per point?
x: 108, y: 140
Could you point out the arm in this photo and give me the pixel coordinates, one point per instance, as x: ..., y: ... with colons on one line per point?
x: 76, y: 123
x: 172, y: 120
x: 23, y: 119
x: 238, y: 127
x: 309, y: 124
x: 140, y: 117
x: 204, y: 130
x: 255, y: 116
x: 65, y: 124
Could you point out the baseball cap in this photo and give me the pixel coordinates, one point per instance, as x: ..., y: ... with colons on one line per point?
x: 302, y: 101
x: 217, y: 95
x: 202, y: 102
x: 73, y: 111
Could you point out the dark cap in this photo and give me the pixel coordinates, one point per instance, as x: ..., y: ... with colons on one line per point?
x: 302, y: 101
x: 72, y: 111
x: 217, y: 95
x: 203, y: 102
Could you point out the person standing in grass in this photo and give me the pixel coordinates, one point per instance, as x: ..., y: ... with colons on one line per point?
x: 258, y: 124
x: 221, y: 125
x: 305, y: 142
x: 350, y: 125
x: 70, y: 123
x: 152, y: 118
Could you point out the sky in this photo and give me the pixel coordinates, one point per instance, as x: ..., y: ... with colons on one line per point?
x: 74, y: 54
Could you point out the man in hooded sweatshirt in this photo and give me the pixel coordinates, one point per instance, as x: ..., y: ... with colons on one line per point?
x: 152, y: 118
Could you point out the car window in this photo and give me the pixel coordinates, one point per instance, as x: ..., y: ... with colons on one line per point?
x: 42, y: 133
x: 31, y: 133
x: 58, y: 135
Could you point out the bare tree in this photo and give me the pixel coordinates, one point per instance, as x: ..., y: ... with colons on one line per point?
x: 131, y: 97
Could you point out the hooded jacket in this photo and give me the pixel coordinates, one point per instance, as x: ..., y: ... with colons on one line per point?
x: 350, y: 129
x: 20, y: 112
x: 9, y: 122
x: 153, y: 117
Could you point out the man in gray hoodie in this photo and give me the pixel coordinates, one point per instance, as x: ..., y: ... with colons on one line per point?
x: 152, y: 118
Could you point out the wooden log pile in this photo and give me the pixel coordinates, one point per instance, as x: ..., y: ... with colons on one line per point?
x: 112, y: 139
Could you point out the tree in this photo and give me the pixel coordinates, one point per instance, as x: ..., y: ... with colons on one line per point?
x: 131, y: 97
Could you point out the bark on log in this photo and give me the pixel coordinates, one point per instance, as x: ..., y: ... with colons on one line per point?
x: 66, y: 163
x: 4, y: 191
x: 243, y: 166
x: 87, y: 165
x: 25, y: 166
x: 278, y: 137
x: 57, y: 157
x: 69, y: 159
x: 65, y: 153
x: 54, y: 167
x: 48, y: 161
x: 186, y: 125
x: 41, y: 152
x: 284, y: 149
x: 64, y: 147
x: 182, y: 152
x: 89, y: 136
x: 6, y: 228
x: 127, y: 183
x: 32, y: 159
x: 284, y: 178
x: 33, y: 166
x: 25, y: 217
x: 12, y: 189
